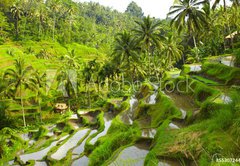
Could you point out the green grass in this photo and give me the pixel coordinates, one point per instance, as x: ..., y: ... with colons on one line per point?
x: 205, y: 80
x: 186, y: 69
x: 227, y: 75
x: 11, y: 143
x: 100, y: 119
x: 118, y: 135
x: 162, y: 110
x: 9, y: 51
x: 200, y: 141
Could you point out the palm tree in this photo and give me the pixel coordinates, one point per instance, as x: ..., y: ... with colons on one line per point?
x: 235, y: 2
x: 126, y: 49
x: 17, y: 12
x: 187, y: 13
x: 39, y: 80
x: 87, y: 74
x: 18, y: 78
x: 67, y: 81
x: 54, y: 6
x: 172, y: 50
x: 148, y: 34
x: 41, y: 13
x: 71, y: 10
x: 72, y: 60
x: 216, y: 2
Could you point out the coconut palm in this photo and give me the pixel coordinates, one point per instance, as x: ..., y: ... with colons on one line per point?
x: 71, y: 10
x: 41, y: 14
x: 126, y: 49
x: 235, y: 2
x: 72, y: 60
x: 17, y: 13
x: 88, y: 75
x: 54, y: 7
x: 148, y: 34
x: 216, y: 2
x: 67, y: 82
x: 19, y: 78
x: 172, y: 50
x: 39, y: 81
x: 187, y: 13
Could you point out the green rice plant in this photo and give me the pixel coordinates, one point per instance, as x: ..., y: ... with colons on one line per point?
x: 111, y: 142
x: 11, y: 52
x: 227, y: 75
x: 29, y: 50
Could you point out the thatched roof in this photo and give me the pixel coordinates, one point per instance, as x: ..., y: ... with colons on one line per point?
x: 232, y: 35
x: 61, y: 106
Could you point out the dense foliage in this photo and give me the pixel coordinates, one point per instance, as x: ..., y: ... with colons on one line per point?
x: 85, y: 54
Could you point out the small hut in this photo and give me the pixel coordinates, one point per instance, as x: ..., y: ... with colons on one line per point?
x: 61, y: 107
x: 229, y: 39
x: 232, y: 35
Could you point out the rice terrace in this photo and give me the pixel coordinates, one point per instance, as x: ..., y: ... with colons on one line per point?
x: 119, y: 83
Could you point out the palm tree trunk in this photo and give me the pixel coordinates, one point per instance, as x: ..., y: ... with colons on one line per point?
x: 16, y: 27
x: 25, y: 23
x: 195, y: 46
x: 98, y: 84
x: 69, y: 105
x: 70, y: 23
x: 54, y: 22
x: 149, y: 60
x: 39, y: 27
x: 23, y: 113
x: 183, y: 59
x: 39, y: 105
x: 89, y: 100
x: 40, y: 109
x: 156, y: 68
x: 224, y: 5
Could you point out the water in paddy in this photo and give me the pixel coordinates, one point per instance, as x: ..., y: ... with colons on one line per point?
x: 27, y: 137
x: 133, y: 155
x: 107, y: 123
x: 183, y: 102
x: 72, y: 142
x: 195, y: 68
x: 74, y: 116
x: 40, y: 154
x: 152, y: 98
x: 83, y: 161
x: 225, y: 99
x: 78, y: 150
x: 75, y: 123
x: 228, y: 61
x: 127, y: 117
x: 173, y: 126
x: 40, y: 163
x: 149, y: 133
x: 50, y: 129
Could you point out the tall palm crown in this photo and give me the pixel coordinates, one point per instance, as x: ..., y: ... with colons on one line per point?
x: 126, y: 48
x: 173, y: 49
x: 126, y: 51
x: 188, y: 12
x: 216, y: 2
x: 147, y: 32
x: 19, y: 78
x: 19, y: 75
x: 17, y: 12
